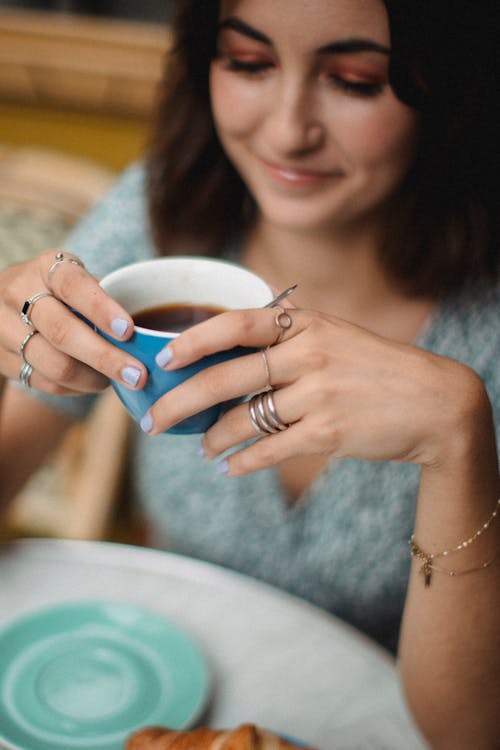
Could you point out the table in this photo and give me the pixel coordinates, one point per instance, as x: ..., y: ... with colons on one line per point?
x: 276, y: 660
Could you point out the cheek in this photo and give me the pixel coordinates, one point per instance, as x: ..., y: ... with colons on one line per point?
x: 234, y: 103
x: 386, y: 137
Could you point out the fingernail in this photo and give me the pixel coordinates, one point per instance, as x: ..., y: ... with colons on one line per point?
x: 119, y: 326
x: 131, y: 375
x: 201, y: 450
x: 222, y: 467
x: 146, y: 422
x: 164, y: 356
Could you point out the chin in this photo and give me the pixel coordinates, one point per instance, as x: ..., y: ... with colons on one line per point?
x: 295, y: 216
x: 320, y: 213
x: 304, y: 209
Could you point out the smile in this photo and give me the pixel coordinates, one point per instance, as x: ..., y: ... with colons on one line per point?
x: 293, y: 177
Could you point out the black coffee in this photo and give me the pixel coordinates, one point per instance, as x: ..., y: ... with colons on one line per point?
x: 174, y: 318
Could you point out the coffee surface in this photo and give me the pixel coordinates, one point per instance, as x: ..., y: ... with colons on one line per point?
x: 174, y: 318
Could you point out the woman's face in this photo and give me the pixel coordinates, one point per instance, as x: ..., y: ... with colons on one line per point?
x: 303, y: 108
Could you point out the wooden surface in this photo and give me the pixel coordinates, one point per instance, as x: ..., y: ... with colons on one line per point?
x: 109, y: 139
x: 80, y: 61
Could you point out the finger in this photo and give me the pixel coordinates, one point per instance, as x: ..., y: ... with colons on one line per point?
x: 225, y: 381
x: 37, y: 380
x: 75, y: 286
x: 250, y: 328
x: 61, y: 327
x: 235, y: 426
x: 206, y: 388
x: 66, y: 333
x: 266, y: 452
x: 62, y: 369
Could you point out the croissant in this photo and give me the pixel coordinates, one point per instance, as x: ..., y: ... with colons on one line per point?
x: 244, y: 737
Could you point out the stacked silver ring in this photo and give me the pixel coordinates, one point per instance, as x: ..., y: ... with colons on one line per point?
x: 25, y: 374
x: 263, y: 414
x: 23, y: 346
x: 27, y: 368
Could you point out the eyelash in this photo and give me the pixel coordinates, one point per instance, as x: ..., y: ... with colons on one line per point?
x: 359, y: 88
x: 350, y: 87
x: 238, y: 66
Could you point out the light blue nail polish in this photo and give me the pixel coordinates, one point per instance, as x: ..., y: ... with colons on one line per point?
x: 201, y: 450
x: 222, y: 467
x: 119, y: 326
x: 131, y: 375
x: 146, y: 422
x: 164, y: 356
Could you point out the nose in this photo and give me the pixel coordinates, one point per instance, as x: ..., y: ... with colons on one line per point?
x: 294, y: 126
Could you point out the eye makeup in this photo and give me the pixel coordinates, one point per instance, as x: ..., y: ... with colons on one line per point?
x: 241, y: 55
x: 357, y: 75
x: 355, y: 65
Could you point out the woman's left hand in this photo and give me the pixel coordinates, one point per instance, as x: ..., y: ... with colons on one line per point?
x: 343, y: 391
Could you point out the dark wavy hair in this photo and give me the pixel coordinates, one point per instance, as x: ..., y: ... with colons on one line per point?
x: 444, y: 63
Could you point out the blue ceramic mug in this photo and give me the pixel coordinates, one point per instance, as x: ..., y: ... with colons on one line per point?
x: 178, y: 280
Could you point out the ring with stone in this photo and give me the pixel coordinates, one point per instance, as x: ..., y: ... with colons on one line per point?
x: 28, y: 305
x: 61, y: 259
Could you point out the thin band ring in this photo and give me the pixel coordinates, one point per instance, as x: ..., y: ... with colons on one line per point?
x: 61, y: 259
x: 273, y: 414
x: 253, y: 416
x: 23, y: 346
x: 262, y: 414
x: 268, y: 385
x: 29, y: 303
x: 284, y: 322
x: 25, y: 374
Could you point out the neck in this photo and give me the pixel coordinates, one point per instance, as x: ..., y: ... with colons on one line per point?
x: 338, y: 267
x: 339, y: 274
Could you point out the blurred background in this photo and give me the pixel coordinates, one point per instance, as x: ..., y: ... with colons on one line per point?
x: 78, y: 80
x: 141, y: 10
x: 73, y: 72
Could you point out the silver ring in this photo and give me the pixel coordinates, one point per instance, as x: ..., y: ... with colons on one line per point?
x: 61, y: 259
x: 253, y: 416
x: 283, y: 320
x: 263, y: 414
x: 25, y: 311
x: 273, y: 414
x: 268, y: 385
x: 23, y: 346
x: 25, y: 374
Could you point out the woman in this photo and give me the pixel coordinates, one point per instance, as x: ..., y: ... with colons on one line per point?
x: 344, y: 145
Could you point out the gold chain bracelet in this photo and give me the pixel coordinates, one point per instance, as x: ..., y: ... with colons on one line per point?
x: 427, y: 558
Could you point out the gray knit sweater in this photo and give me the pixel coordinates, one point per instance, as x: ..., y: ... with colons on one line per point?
x: 344, y: 545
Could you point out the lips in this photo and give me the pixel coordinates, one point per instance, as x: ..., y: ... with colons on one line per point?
x: 295, y: 177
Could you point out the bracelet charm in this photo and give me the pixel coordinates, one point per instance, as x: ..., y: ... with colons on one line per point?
x: 428, y: 565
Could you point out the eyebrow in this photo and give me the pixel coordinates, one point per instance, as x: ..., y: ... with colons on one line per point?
x: 345, y: 46
x: 243, y: 28
x: 352, y: 46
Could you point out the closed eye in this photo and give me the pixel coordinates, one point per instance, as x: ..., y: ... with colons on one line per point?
x: 358, y: 88
x: 243, y: 66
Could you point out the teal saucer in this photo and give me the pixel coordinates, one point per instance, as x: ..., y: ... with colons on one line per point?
x: 83, y: 676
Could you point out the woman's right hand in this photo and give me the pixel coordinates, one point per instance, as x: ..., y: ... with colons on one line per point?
x: 68, y: 357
